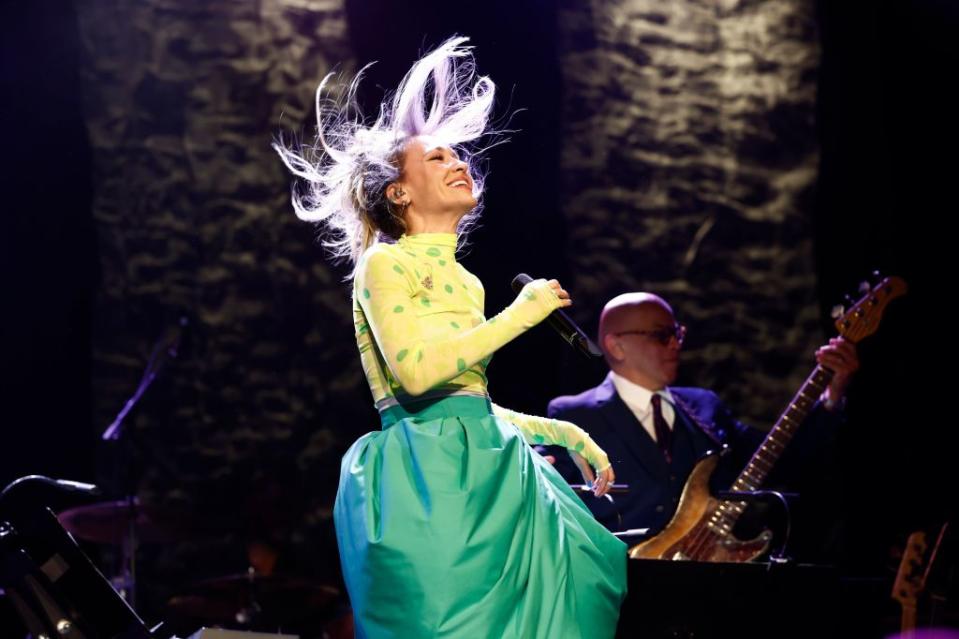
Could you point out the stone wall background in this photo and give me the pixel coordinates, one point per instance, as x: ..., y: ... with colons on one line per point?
x: 689, y: 166
x: 192, y: 207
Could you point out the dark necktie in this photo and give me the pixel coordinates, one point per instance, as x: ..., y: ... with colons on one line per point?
x: 663, y: 434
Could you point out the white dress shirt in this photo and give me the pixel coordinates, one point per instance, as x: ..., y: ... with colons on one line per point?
x: 639, y: 401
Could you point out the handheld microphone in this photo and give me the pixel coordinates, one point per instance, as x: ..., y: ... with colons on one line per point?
x: 563, y: 324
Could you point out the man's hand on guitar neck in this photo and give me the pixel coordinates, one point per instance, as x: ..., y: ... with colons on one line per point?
x: 840, y: 357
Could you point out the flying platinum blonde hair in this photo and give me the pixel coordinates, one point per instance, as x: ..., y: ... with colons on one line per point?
x: 351, y: 163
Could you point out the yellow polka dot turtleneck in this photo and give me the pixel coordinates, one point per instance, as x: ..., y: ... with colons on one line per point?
x: 421, y: 331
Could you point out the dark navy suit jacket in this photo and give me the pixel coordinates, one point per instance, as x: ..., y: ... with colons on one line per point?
x: 703, y: 423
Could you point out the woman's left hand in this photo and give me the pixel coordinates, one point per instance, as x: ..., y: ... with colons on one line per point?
x: 600, y: 481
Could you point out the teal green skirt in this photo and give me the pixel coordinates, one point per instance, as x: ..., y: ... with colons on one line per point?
x: 450, y: 525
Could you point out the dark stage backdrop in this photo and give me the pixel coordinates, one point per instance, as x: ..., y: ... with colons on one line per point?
x: 747, y: 160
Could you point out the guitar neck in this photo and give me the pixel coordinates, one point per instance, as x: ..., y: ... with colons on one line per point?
x: 765, y: 457
x: 907, y: 625
x: 858, y: 322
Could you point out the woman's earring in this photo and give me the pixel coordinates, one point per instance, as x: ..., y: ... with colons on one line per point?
x: 400, y: 193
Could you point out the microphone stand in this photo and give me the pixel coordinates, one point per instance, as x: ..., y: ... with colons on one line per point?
x: 165, y: 349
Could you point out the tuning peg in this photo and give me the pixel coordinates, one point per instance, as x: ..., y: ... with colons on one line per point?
x: 876, y: 277
x: 864, y: 287
x: 837, y: 311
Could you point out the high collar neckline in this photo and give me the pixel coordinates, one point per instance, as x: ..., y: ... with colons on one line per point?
x: 447, y: 240
x: 438, y: 245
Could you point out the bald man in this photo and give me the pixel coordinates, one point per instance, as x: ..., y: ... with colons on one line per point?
x: 653, y: 432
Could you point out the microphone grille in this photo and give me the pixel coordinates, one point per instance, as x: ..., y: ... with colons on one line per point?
x: 520, y: 281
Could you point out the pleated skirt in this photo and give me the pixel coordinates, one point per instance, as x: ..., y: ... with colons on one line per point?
x: 450, y: 525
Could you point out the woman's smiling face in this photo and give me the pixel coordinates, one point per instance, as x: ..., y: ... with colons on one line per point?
x: 433, y: 180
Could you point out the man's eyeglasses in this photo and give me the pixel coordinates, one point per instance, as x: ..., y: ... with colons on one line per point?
x: 662, y: 335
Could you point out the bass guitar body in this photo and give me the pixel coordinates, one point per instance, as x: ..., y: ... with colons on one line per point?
x: 696, y: 532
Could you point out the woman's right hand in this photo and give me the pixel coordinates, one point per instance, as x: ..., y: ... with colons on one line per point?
x: 564, y: 298
x: 539, y: 298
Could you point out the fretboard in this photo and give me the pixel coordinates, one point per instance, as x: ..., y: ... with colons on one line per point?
x: 763, y: 460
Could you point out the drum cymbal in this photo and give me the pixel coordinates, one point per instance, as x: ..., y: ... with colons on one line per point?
x: 110, y: 522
